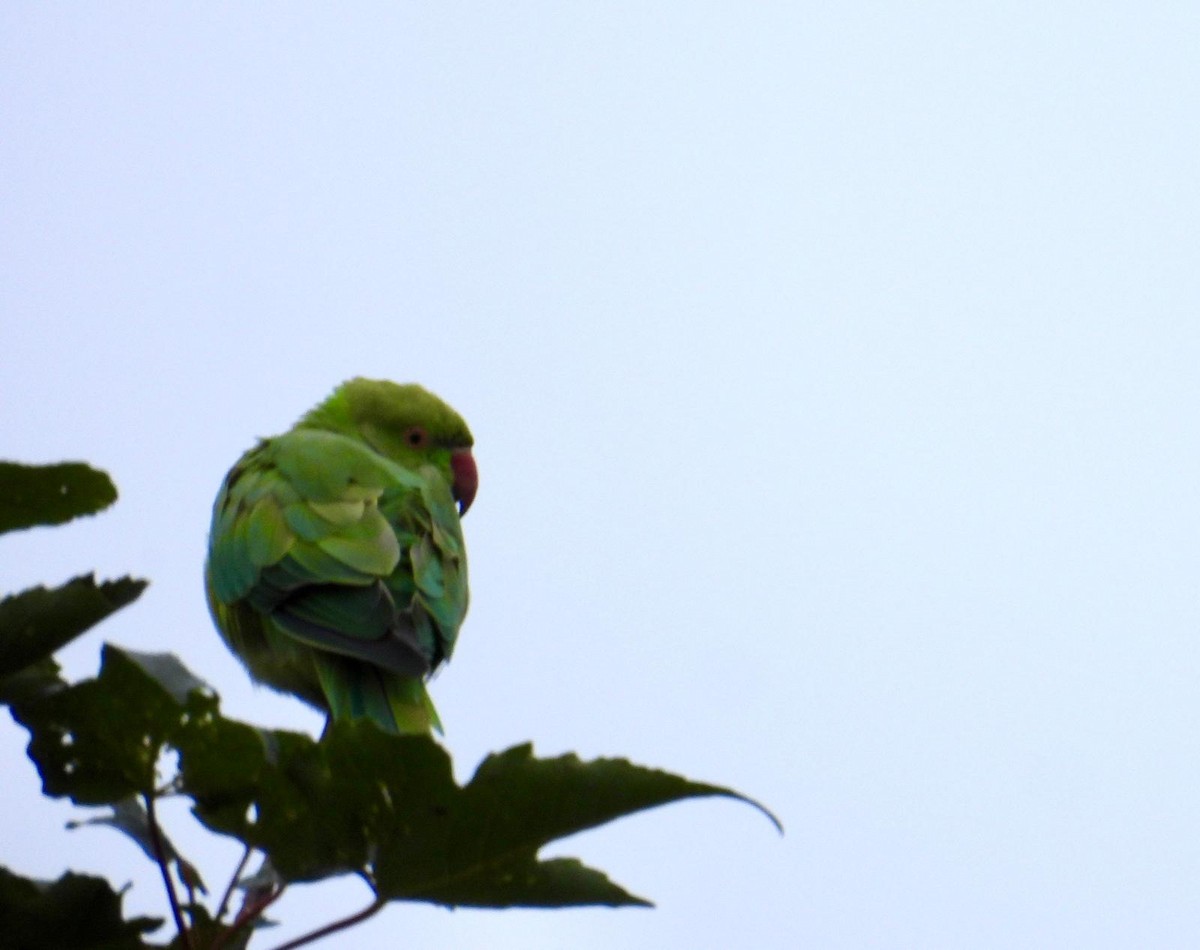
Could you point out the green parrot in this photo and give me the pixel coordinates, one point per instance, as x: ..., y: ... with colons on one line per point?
x: 336, y: 567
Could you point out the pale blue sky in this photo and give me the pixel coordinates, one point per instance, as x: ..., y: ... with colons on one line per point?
x: 833, y: 370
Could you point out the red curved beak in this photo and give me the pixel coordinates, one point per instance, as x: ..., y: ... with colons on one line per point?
x: 466, y: 479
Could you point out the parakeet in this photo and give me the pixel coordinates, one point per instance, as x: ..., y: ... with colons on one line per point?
x: 336, y: 566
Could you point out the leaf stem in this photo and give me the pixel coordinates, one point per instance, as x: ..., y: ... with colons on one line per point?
x: 157, y: 841
x: 237, y: 873
x: 370, y: 911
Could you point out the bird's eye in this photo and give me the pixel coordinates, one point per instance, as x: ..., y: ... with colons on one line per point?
x: 416, y: 437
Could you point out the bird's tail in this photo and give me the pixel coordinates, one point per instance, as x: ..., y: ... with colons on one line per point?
x: 356, y: 690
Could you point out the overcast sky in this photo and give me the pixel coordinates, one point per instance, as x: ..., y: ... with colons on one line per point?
x: 833, y: 369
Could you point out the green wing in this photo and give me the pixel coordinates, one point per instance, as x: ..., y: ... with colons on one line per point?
x: 338, y: 575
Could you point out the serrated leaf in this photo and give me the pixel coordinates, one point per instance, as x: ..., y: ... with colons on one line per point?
x: 77, y: 911
x: 36, y: 622
x: 51, y: 494
x: 98, y: 741
x: 514, y: 805
x: 388, y: 807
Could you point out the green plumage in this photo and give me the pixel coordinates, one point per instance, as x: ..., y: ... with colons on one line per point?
x: 336, y: 566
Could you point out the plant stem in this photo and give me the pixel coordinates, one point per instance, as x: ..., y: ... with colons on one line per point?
x: 156, y: 840
x: 374, y: 908
x: 237, y: 873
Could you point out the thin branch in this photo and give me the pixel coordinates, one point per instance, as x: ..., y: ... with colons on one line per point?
x: 374, y: 908
x: 157, y: 841
x: 237, y: 874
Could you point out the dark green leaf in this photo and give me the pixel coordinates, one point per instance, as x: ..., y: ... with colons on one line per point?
x: 51, y: 494
x: 311, y: 811
x: 76, y: 911
x: 388, y: 807
x: 34, y: 681
x: 490, y: 835
x: 36, y: 622
x: 223, y: 764
x: 98, y: 741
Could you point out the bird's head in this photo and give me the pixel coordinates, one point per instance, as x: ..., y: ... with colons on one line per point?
x: 407, y: 424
